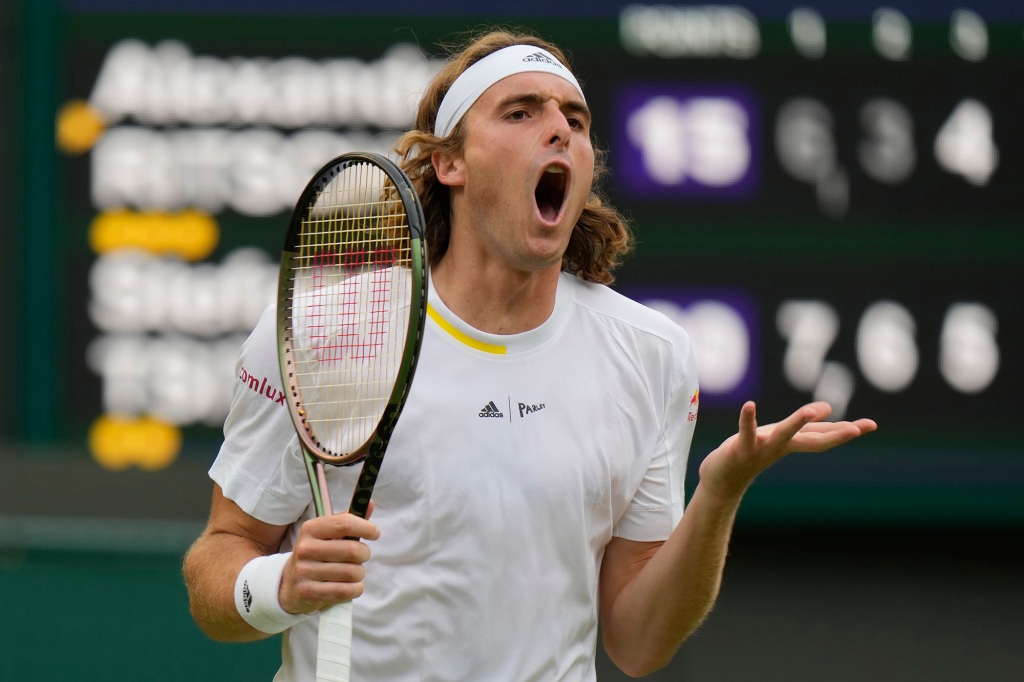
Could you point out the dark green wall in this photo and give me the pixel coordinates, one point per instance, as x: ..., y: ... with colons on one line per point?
x: 9, y: 192
x: 105, y: 617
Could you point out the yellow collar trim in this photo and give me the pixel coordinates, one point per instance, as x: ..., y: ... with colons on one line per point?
x: 464, y: 338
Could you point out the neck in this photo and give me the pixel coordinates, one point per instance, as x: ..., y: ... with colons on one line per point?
x: 496, y: 300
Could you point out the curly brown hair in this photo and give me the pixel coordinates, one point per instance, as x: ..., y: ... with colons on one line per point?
x: 602, y: 237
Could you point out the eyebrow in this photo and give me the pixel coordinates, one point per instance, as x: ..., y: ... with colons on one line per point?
x: 533, y: 98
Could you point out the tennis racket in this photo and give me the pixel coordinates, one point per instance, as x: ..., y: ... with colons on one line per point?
x: 352, y: 298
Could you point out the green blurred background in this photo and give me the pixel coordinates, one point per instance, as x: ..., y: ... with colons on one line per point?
x: 855, y: 156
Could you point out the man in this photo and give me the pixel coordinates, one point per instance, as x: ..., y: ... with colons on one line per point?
x: 533, y: 487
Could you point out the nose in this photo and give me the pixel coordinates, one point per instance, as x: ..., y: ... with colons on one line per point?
x: 561, y: 132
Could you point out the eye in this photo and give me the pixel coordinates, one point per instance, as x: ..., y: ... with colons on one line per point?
x: 577, y: 120
x: 518, y: 115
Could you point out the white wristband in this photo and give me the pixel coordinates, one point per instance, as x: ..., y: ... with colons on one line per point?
x: 256, y: 595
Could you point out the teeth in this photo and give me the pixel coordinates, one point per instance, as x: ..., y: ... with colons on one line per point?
x: 555, y: 169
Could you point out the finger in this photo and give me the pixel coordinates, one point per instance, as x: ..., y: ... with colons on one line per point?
x: 748, y: 426
x: 866, y: 425
x: 331, y: 571
x: 335, y: 592
x: 786, y: 429
x: 316, y: 560
x: 863, y: 425
x: 821, y: 409
x: 317, y: 585
x: 352, y: 526
x: 336, y: 550
x: 341, y: 525
x: 825, y: 440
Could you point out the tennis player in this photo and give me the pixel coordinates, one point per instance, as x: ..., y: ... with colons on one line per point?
x: 533, y: 487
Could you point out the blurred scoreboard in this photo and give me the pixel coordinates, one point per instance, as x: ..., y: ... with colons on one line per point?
x: 830, y: 199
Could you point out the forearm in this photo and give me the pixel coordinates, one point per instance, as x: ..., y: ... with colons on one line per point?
x: 674, y: 590
x: 211, y: 568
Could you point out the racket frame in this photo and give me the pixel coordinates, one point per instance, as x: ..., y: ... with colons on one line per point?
x: 371, y: 453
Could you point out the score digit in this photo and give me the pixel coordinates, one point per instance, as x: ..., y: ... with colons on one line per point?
x: 964, y: 143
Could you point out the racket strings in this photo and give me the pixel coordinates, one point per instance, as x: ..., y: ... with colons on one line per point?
x: 352, y: 288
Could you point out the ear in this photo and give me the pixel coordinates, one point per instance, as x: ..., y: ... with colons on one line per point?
x: 449, y: 168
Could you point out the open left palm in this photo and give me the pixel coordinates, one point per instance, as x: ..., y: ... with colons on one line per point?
x: 731, y: 468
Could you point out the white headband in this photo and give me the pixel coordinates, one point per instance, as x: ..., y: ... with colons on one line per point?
x: 506, y: 62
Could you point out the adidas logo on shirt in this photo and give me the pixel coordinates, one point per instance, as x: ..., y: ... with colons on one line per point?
x: 491, y: 410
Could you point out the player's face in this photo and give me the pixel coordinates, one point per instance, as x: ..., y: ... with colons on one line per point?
x: 526, y: 170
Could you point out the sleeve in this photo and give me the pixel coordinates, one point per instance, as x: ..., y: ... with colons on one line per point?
x: 657, y: 506
x: 260, y: 465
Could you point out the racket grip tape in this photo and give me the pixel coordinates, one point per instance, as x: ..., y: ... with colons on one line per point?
x: 334, y: 647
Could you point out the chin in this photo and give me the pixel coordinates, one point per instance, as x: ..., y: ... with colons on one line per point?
x: 547, y: 262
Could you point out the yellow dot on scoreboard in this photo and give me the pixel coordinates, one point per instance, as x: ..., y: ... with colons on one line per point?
x: 118, y: 443
x: 109, y: 231
x: 156, y: 232
x: 199, y: 235
x: 162, y: 444
x: 78, y: 127
x: 108, y: 442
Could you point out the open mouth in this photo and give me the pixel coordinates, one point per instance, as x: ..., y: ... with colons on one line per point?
x: 550, y: 192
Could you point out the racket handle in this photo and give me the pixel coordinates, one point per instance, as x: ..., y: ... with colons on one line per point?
x: 334, y: 648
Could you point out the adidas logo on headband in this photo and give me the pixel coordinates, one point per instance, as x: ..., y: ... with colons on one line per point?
x: 541, y: 57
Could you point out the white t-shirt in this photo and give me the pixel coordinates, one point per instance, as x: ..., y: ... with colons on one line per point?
x: 515, y: 461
